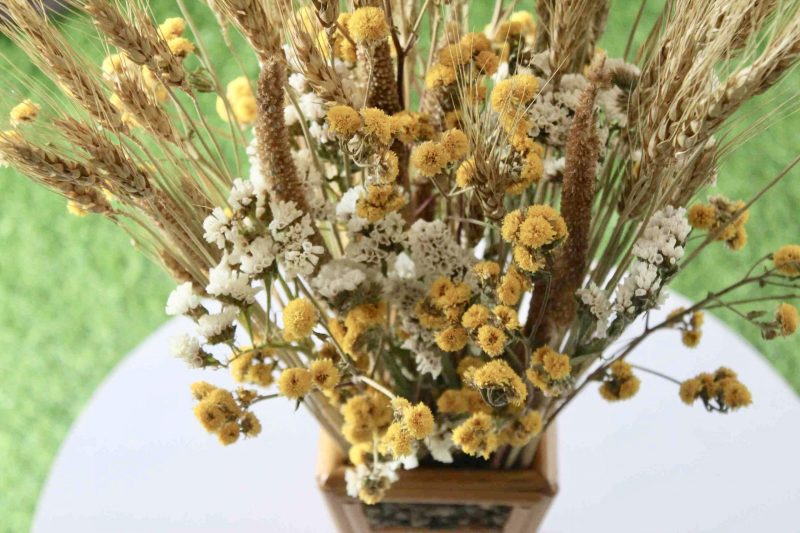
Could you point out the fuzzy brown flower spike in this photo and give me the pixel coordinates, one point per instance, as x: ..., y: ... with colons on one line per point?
x: 583, y: 151
x: 274, y: 152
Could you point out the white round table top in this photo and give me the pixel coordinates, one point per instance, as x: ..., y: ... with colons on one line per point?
x: 136, y: 459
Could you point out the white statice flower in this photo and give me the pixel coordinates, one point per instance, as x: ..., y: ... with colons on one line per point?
x: 435, y: 253
x: 307, y: 171
x: 302, y: 261
x: 290, y: 115
x: 411, y: 461
x: 312, y: 106
x: 216, y: 227
x: 298, y: 82
x: 643, y: 284
x: 226, y: 281
x: 611, y: 101
x: 237, y: 245
x: 259, y: 256
x: 336, y: 277
x: 661, y: 242
x: 182, y: 300
x: 550, y: 118
x: 599, y: 305
x: 283, y: 214
x: 346, y: 209
x: 242, y: 194
x: 541, y: 61
x: 403, y: 267
x: 257, y: 178
x: 554, y: 166
x: 502, y: 72
x: 320, y: 132
x: 355, y: 479
x: 211, y: 325
x: 441, y: 446
x: 187, y: 348
x: 404, y: 293
x: 427, y: 360
x: 373, y: 248
x: 378, y: 474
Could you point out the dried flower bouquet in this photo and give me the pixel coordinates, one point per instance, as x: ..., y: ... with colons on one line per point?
x: 442, y: 230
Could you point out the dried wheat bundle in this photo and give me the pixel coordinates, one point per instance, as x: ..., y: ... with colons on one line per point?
x: 432, y: 281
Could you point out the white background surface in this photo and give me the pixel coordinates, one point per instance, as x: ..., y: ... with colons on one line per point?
x: 137, y: 460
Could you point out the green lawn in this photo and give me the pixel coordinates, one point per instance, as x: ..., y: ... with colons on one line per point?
x: 76, y: 297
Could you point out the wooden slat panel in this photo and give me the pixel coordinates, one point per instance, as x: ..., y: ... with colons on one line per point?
x: 529, y: 492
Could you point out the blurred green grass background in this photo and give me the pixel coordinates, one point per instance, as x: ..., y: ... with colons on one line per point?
x: 76, y: 297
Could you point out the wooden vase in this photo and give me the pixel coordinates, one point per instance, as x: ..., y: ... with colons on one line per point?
x: 439, y: 498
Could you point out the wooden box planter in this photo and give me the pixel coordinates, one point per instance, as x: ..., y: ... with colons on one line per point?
x: 445, y: 499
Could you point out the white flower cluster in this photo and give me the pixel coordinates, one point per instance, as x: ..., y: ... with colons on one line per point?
x: 662, y: 241
x: 369, y: 244
x: 378, y: 474
x: 435, y: 253
x: 337, y: 277
x: 211, y: 326
x: 440, y: 444
x: 599, y: 305
x: 187, y: 348
x: 658, y: 251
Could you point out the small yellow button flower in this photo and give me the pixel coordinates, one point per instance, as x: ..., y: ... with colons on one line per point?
x: 294, y: 383
x: 418, y: 419
x: 324, y: 374
x: 787, y: 318
x: 343, y: 120
x: 787, y: 259
x: 367, y: 25
x: 429, y: 158
x: 299, y: 318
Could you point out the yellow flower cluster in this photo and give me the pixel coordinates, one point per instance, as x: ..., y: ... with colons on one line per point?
x: 366, y: 416
x: 253, y: 365
x: 115, y: 66
x: 242, y: 101
x: 518, y: 25
x: 299, y: 317
x: 380, y: 200
x: 368, y: 26
x: 220, y: 413
x: 784, y: 324
x: 720, y: 217
x: 533, y: 231
x: 343, y: 46
x: 521, y: 430
x: 294, y: 383
x: 349, y: 333
x: 498, y: 384
x: 461, y: 401
x: 477, y: 435
x: 25, y: 111
x: 619, y: 383
x: 510, y: 99
x: 413, y: 423
x: 324, y: 374
x: 430, y: 157
x: 375, y: 125
x: 343, y: 121
x: 549, y: 371
x: 469, y: 59
x: 787, y: 260
x: 691, y: 327
x: 720, y: 391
